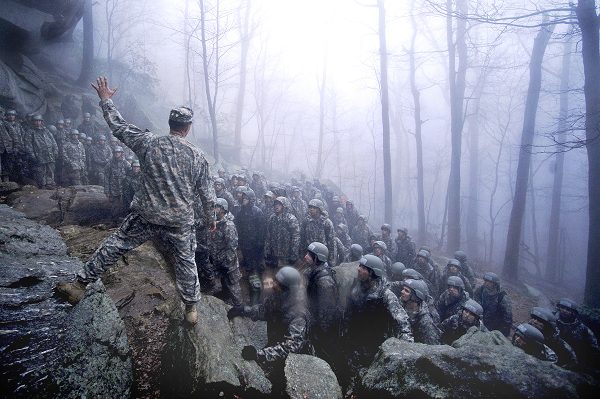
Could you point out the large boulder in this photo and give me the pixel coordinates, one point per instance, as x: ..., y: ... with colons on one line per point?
x: 310, y: 377
x: 205, y: 361
x: 51, y: 349
x: 403, y: 369
x: 82, y: 205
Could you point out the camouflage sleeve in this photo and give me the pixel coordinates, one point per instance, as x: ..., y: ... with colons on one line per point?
x: 507, y: 317
x: 430, y: 334
x: 131, y: 135
x: 292, y: 342
x: 294, y: 228
x: 330, y: 241
x: 399, y: 315
x: 205, y: 191
x: 232, y: 237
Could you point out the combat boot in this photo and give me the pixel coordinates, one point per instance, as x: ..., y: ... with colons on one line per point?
x: 72, y: 292
x: 191, y: 314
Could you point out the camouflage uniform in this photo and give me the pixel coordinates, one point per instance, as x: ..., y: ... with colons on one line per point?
x: 431, y: 275
x: 468, y: 286
x: 405, y: 251
x: 453, y: 328
x: 361, y: 234
x: 100, y: 156
x: 423, y: 328
x: 497, y: 309
x: 43, y: 151
x: 164, y: 208
x: 341, y: 251
x: 73, y: 162
x: 447, y: 305
x: 226, y: 195
x: 89, y: 129
x: 351, y: 215
x: 282, y: 240
x: 319, y: 230
x: 131, y: 185
x: 118, y: 169
x: 222, y: 247
x: 299, y: 208
x: 582, y: 340
x: 6, y: 151
x: 465, y: 268
x: 15, y: 157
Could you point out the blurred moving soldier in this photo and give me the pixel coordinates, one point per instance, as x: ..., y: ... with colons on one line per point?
x: 43, y: 152
x: 87, y: 126
x: 453, y: 269
x: 73, y: 160
x: 386, y: 236
x: 351, y: 215
x: 338, y: 217
x: 258, y: 185
x: 361, y: 233
x: 317, y: 227
x: 545, y: 321
x: 578, y: 335
x: 465, y: 269
x: 531, y: 341
x: 100, y: 156
x: 405, y: 248
x: 458, y: 324
x: 282, y: 241
x: 118, y: 170
x: 175, y: 176
x: 453, y: 298
x: 222, y: 245
x: 413, y: 297
x: 497, y: 308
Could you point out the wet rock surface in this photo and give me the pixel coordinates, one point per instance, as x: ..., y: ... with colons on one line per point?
x: 81, y: 205
x: 403, y: 369
x: 49, y: 348
x: 205, y: 360
x: 310, y: 377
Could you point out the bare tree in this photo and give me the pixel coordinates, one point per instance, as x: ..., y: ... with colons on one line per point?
x: 513, y: 239
x: 87, y: 64
x: 245, y: 36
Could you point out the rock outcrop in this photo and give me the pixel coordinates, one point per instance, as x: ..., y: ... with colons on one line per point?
x: 205, y: 361
x: 310, y: 377
x: 49, y: 348
x: 402, y: 369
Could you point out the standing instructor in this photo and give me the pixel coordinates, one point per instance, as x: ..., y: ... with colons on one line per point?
x: 174, y: 175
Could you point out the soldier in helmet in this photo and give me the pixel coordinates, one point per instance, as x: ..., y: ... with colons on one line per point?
x: 531, y: 341
x: 380, y: 250
x: 497, y: 308
x: 453, y: 269
x: 386, y: 236
x: 318, y: 227
x: 373, y: 315
x: 452, y: 299
x: 361, y: 232
x: 266, y: 206
x: 221, y: 192
x: 222, y: 247
x: 43, y: 152
x: 87, y: 126
x: 282, y: 239
x: 73, y: 160
x: 356, y: 253
x: 258, y: 185
x: 322, y: 294
x: 133, y: 182
x: 299, y: 206
x: 341, y: 231
x: 545, y: 321
x: 15, y: 155
x: 100, y: 155
x: 465, y: 269
x: 405, y: 248
x: 338, y: 217
x: 430, y: 273
x: 115, y: 181
x: 577, y: 334
x: 251, y: 233
x: 412, y: 274
x: 287, y: 319
x: 414, y: 300
x: 164, y: 210
x: 457, y: 325
x: 351, y: 215
x: 6, y: 152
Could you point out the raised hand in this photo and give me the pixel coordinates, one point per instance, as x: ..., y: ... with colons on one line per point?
x: 101, y: 87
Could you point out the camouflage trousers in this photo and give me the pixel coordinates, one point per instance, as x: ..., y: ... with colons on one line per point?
x: 43, y: 174
x: 133, y: 232
x: 228, y: 270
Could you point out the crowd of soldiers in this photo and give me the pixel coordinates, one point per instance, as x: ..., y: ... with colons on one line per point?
x: 60, y: 155
x: 292, y: 245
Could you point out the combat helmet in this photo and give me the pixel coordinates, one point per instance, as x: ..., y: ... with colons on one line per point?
x: 222, y: 203
x: 455, y: 281
x: 288, y: 277
x: 418, y: 288
x: 373, y: 263
x: 473, y: 307
x: 319, y: 250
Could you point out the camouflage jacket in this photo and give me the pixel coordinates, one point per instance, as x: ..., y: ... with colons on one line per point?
x: 453, y: 328
x: 396, y: 288
x: 497, y: 310
x: 444, y: 280
x: 251, y: 228
x: 322, y: 294
x: 89, y: 129
x: 226, y: 195
x: 175, y: 174
x: 391, y: 246
x: 223, y: 241
x: 40, y: 145
x: 73, y: 155
x: 565, y: 355
x: 287, y: 320
x: 341, y: 251
x: 360, y: 235
x: 299, y: 208
x: 467, y: 272
x: 319, y: 230
x: 100, y: 156
x: 405, y: 251
x: 115, y: 177
x: 6, y: 141
x: 432, y: 277
x: 15, y: 136
x: 131, y: 185
x: 582, y: 340
x: 447, y: 306
x: 283, y: 235
x: 423, y: 328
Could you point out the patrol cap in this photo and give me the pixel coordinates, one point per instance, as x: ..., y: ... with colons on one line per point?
x: 569, y: 304
x: 222, y: 203
x: 181, y: 114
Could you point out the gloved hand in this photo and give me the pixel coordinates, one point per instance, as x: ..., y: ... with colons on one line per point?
x: 235, y: 311
x: 249, y: 353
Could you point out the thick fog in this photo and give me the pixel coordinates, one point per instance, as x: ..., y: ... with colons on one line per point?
x: 296, y: 47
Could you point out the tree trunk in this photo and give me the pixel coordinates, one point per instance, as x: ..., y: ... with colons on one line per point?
x: 589, y: 24
x: 239, y: 108
x: 513, y: 239
x: 385, y: 116
x: 322, y: 89
x: 421, y: 232
x: 87, y: 63
x: 554, y: 227
x: 473, y: 204
x: 457, y: 94
x: 209, y: 97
